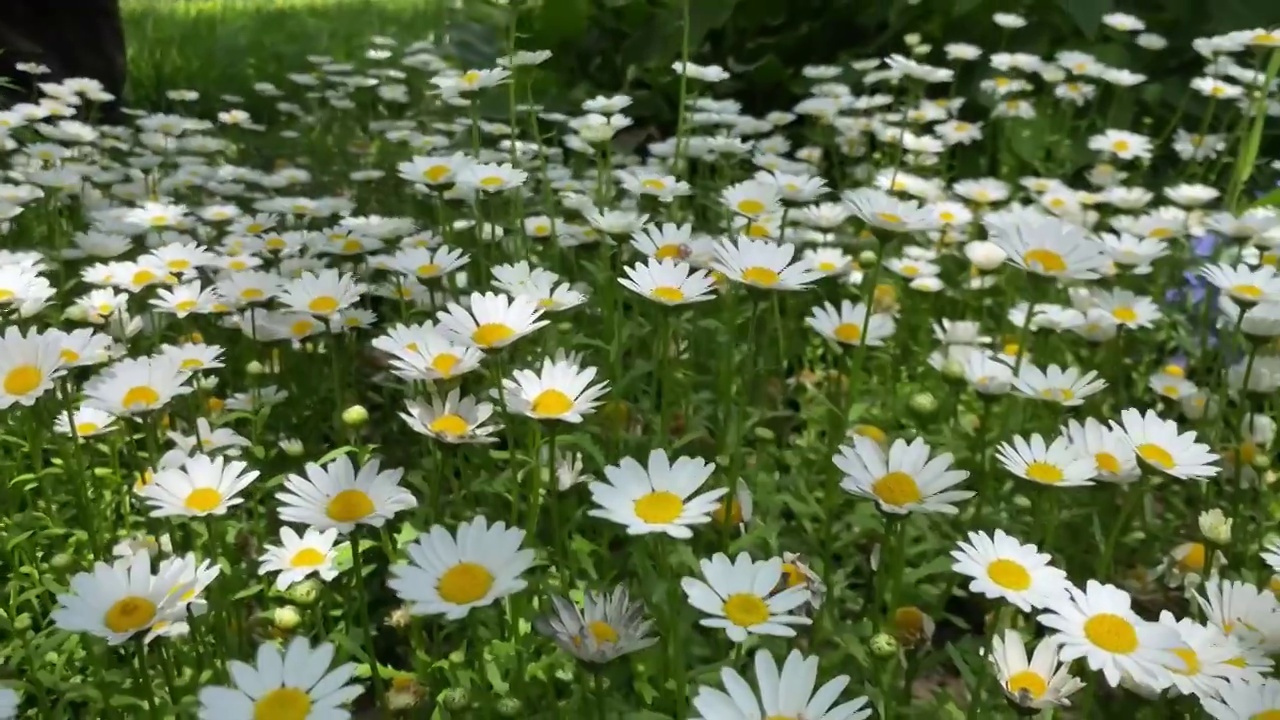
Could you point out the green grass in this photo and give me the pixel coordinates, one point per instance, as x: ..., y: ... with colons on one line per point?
x: 223, y: 46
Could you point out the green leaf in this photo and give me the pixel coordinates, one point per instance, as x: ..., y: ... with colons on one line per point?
x: 1087, y: 13
x: 1270, y: 199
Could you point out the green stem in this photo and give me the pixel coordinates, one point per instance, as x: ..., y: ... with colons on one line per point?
x: 362, y: 616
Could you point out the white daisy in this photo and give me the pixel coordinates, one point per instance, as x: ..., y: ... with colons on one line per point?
x: 561, y: 390
x: 1040, y: 683
x: 296, y: 557
x: 904, y: 480
x: 118, y: 601
x: 1160, y: 446
x: 669, y: 282
x: 781, y: 695
x: 1065, y: 386
x: 1060, y: 464
x: 1002, y: 567
x: 202, y: 486
x: 659, y: 498
x: 742, y: 597
x: 762, y: 264
x: 491, y: 320
x: 846, y: 325
x: 296, y: 684
x: 335, y: 496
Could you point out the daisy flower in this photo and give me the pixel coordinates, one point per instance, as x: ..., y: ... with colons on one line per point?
x: 741, y: 597
x: 1065, y: 386
x: 1002, y: 567
x: 785, y: 694
x: 762, y: 264
x: 137, y: 385
x: 667, y: 241
x: 880, y: 210
x: 449, y: 574
x: 336, y: 496
x: 1112, y: 454
x: 560, y: 391
x: 1206, y: 658
x: 846, y: 325
x: 28, y: 365
x: 296, y: 557
x: 118, y: 601
x: 455, y: 420
x: 1128, y: 309
x: 1249, y: 614
x: 426, y: 264
x: 604, y: 628
x: 669, y: 282
x: 492, y: 320
x: 201, y: 486
x: 1038, y: 684
x: 1160, y: 446
x: 1046, y: 245
x: 1243, y: 284
x: 87, y: 422
x: 902, y: 481
x: 986, y: 372
x: 1245, y: 700
x: 325, y: 294
x: 1098, y: 624
x: 295, y: 684
x: 1059, y: 464
x: 656, y: 498
x: 752, y: 198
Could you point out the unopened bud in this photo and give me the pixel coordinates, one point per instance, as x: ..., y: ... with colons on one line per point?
x: 355, y: 416
x: 255, y: 368
x: 456, y: 699
x: 867, y: 258
x: 953, y: 369
x: 510, y: 707
x: 883, y: 645
x: 305, y: 592
x: 286, y: 618
x: 923, y: 403
x: 1215, y: 526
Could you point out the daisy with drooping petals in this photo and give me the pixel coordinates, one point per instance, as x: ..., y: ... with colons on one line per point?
x: 296, y: 557
x: 202, y: 486
x: 336, y: 496
x: 455, y: 420
x: 28, y: 365
x: 86, y: 422
x: 1160, y: 446
x: 656, y: 498
x: 1111, y: 451
x: 1038, y: 684
x: 560, y: 391
x: 1002, y: 567
x: 1098, y: 624
x: 669, y: 282
x: 1206, y: 659
x: 1065, y: 386
x: 762, y: 264
x: 846, y: 325
x: 742, y: 598
x: 325, y: 294
x: 492, y: 320
x: 1246, y: 612
x: 986, y: 372
x: 118, y: 601
x: 296, y: 684
x: 1245, y: 700
x: 604, y: 628
x: 137, y: 385
x: 1059, y: 464
x: 786, y: 694
x: 449, y: 574
x: 904, y: 480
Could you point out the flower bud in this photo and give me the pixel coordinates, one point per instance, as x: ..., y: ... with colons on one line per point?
x: 1258, y: 427
x: 984, y: 254
x: 255, y: 368
x: 867, y: 258
x: 1215, y: 526
x: 510, y: 707
x: 456, y: 699
x: 355, y: 416
x: 305, y: 592
x: 883, y: 645
x: 60, y: 561
x: 286, y: 618
x: 923, y: 403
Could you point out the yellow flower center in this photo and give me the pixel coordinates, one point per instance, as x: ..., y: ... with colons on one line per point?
x: 86, y: 428
x: 792, y: 575
x: 323, y: 305
x: 144, y: 277
x: 140, y: 397
x: 872, y: 432
x: 1246, y: 291
x: 947, y: 216
x: 1273, y: 714
x: 129, y: 614
x: 1028, y: 681
x: 654, y: 184
x: 185, y: 306
x: 1120, y: 146
x: 192, y: 364
x: 22, y: 380
x: 541, y: 229
x: 450, y: 424
x: 730, y: 515
x: 1044, y: 261
x: 1043, y: 472
x: 826, y: 267
x: 349, y: 506
x: 284, y: 703
x: 667, y: 294
x: 761, y: 276
x: 848, y: 333
x: 1160, y: 233
x: 465, y: 583
x: 491, y: 334
x: 1155, y: 455
x: 551, y: 403
x: 659, y: 507
x: 492, y: 181
x: 302, y: 328
x: 436, y: 173
x: 203, y: 500
x: 471, y: 77
x: 889, y: 218
x: 1190, y: 661
x: 444, y: 363
x: 1111, y: 633
x: 1174, y: 370
x: 238, y: 264
x: 352, y: 246
x: 750, y: 207
x: 1107, y: 462
x: 1125, y: 315
x: 1009, y: 575
x: 897, y: 488
x: 746, y: 609
x: 6, y: 295
x: 1193, y: 559
x: 252, y: 294
x: 602, y: 631
x: 306, y: 558
x: 428, y: 270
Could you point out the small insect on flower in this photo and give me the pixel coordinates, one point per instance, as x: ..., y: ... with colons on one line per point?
x: 336, y: 496
x: 296, y: 558
x: 657, y: 498
x: 118, y: 601
x: 786, y: 694
x: 295, y: 684
x: 903, y: 480
x: 607, y: 626
x: 449, y: 574
x: 1038, y: 684
x: 741, y: 597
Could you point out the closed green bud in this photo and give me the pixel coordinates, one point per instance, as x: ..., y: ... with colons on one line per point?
x: 60, y: 561
x: 22, y: 622
x: 456, y: 699
x: 355, y: 416
x: 867, y: 258
x: 883, y: 645
x: 924, y: 403
x: 286, y: 618
x: 510, y: 707
x: 305, y: 592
